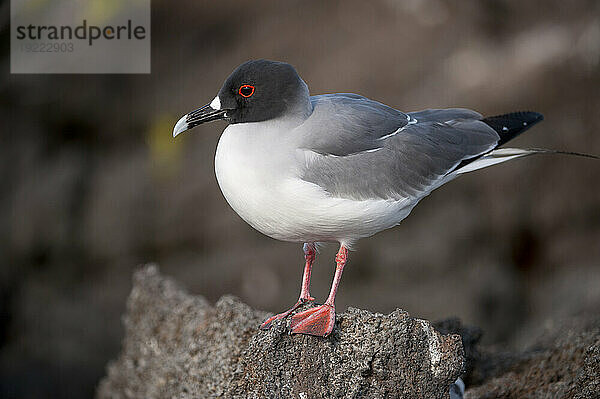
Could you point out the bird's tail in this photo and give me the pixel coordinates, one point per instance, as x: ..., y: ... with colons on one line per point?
x: 500, y: 155
x: 509, y: 126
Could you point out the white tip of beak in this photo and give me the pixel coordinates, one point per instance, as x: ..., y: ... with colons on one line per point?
x: 180, y: 126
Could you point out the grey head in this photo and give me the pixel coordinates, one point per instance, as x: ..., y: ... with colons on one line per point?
x: 256, y: 91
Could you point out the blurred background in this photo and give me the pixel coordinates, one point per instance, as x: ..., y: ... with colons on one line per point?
x: 93, y: 185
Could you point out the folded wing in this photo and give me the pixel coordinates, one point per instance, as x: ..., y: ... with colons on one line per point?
x: 376, y: 152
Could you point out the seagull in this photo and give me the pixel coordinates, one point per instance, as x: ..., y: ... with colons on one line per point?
x: 337, y: 167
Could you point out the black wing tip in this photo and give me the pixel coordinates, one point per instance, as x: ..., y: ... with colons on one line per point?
x: 509, y: 126
x: 531, y: 117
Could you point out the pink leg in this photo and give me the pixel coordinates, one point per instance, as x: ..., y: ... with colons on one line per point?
x: 320, y: 320
x: 310, y: 254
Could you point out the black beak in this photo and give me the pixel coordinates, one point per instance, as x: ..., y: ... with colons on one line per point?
x: 195, y: 118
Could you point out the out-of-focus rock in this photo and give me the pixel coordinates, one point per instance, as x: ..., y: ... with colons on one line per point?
x: 563, y: 364
x: 178, y: 345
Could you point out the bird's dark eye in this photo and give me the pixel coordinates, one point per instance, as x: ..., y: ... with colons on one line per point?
x: 246, y: 90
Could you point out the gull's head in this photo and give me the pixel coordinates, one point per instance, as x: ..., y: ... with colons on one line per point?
x: 255, y: 91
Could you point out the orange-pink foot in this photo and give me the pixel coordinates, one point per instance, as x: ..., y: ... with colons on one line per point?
x: 267, y: 323
x: 316, y: 321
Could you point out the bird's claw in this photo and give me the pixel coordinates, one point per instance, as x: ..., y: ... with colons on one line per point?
x: 267, y: 323
x: 318, y: 321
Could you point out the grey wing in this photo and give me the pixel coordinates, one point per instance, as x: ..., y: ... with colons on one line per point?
x: 343, y: 124
x: 444, y: 115
x: 406, y: 163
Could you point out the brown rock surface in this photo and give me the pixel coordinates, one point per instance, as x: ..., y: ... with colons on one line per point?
x: 563, y: 364
x: 178, y: 345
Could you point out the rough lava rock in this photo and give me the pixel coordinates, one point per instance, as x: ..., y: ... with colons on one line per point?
x: 563, y: 365
x: 179, y: 346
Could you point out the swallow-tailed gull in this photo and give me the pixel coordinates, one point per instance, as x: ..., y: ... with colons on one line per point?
x: 337, y: 167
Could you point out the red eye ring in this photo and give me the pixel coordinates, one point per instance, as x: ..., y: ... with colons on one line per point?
x: 243, y: 91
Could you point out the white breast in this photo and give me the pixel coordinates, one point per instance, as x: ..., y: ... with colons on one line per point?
x: 257, y: 171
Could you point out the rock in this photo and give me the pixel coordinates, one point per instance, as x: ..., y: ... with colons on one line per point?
x: 563, y: 367
x: 470, y: 336
x: 178, y: 345
x: 564, y: 362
